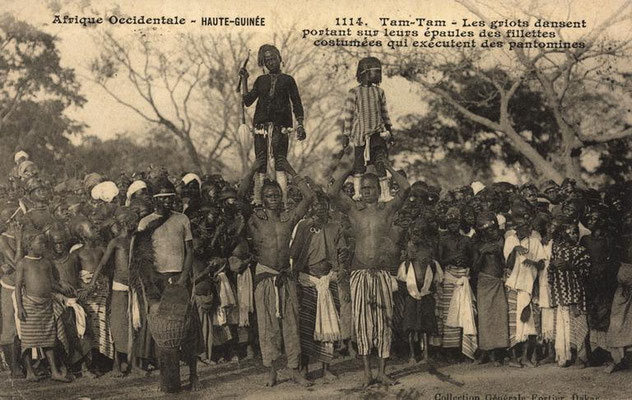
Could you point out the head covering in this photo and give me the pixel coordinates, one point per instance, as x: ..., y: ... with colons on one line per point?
x: 105, y: 191
x: 165, y: 186
x: 20, y: 154
x: 91, y: 180
x: 262, y: 51
x: 23, y: 166
x: 133, y: 188
x: 190, y: 177
x: 366, y: 64
x: 477, y: 187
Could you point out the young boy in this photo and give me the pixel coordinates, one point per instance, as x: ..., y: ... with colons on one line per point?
x: 34, y: 285
x: 420, y: 273
x: 274, y: 91
x: 367, y: 124
x: 94, y: 299
x: 119, y: 248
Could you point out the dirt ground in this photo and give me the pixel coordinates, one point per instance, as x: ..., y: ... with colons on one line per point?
x: 438, y: 381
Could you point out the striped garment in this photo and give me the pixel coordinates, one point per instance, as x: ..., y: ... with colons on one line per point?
x: 98, y: 320
x: 450, y: 337
x: 570, y: 333
x: 316, y: 351
x: 365, y: 113
x: 372, y: 304
x: 39, y: 329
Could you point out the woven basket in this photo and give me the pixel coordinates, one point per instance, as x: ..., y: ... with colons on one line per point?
x: 167, y: 333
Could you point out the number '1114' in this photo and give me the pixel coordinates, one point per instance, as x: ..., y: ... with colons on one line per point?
x: 351, y: 21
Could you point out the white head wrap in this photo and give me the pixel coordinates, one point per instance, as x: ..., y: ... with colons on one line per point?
x: 20, y: 154
x: 105, y: 191
x: 189, y: 177
x: 477, y: 186
x: 133, y: 188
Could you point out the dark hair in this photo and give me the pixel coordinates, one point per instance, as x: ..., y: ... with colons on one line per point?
x: 262, y: 52
x: 366, y: 63
x: 371, y: 176
x: 164, y: 184
x: 268, y: 183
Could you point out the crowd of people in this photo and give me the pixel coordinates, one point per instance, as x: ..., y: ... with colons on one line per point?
x: 130, y: 268
x: 514, y: 275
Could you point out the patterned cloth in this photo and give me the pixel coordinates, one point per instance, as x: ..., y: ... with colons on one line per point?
x: 317, y: 351
x: 568, y: 285
x: 372, y: 303
x: 365, y: 113
x: 451, y: 337
x: 95, y: 306
x: 39, y: 329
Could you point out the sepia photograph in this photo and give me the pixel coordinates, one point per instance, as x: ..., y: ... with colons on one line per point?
x: 301, y: 199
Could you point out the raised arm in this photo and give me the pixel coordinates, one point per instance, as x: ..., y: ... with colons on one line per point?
x: 246, y: 181
x: 403, y: 184
x: 341, y: 200
x: 308, y: 196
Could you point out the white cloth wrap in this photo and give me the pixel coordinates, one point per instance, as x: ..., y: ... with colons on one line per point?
x: 327, y: 327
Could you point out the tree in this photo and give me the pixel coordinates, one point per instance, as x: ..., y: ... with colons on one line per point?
x: 35, y: 90
x: 189, y: 89
x: 544, y: 107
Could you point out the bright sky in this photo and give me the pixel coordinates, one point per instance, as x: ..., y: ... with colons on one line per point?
x: 106, y: 118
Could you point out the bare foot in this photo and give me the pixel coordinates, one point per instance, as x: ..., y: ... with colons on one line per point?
x: 515, y: 364
x: 368, y: 381
x: 329, y: 376
x: 579, y: 365
x: 272, y: 378
x: 298, y: 378
x: 17, y: 374
x: 423, y: 361
x: 528, y: 363
x: 33, y: 378
x: 412, y: 361
x: 196, y: 385
x: 497, y: 364
x: 118, y: 374
x: 385, y: 380
x: 89, y: 374
x: 137, y: 373
x: 352, y: 352
x: 547, y: 360
x: 60, y: 378
x: 234, y: 359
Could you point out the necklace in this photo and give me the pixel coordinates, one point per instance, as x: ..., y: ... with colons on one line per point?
x: 33, y: 257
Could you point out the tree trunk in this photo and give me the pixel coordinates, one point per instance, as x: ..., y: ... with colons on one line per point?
x: 195, y: 158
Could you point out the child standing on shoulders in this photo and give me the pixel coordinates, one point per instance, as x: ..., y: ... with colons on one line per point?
x: 367, y: 124
x: 277, y: 97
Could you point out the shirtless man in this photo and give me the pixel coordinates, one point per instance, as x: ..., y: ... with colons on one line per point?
x: 270, y: 229
x: 93, y: 299
x: 370, y: 282
x: 118, y: 248
x: 34, y: 286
